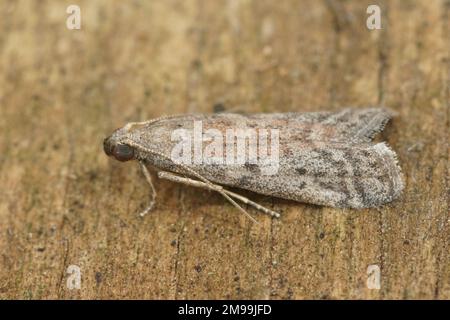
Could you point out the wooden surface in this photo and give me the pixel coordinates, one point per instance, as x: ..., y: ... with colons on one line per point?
x: 63, y: 202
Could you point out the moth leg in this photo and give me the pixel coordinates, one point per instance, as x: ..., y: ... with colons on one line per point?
x: 210, y: 185
x: 200, y: 184
x: 148, y: 177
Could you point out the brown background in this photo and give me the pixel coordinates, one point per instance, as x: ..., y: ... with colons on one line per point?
x: 63, y: 202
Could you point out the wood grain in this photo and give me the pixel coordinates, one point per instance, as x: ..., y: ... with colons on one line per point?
x: 63, y: 202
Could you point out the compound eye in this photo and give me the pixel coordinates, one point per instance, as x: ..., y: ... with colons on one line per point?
x: 122, y: 152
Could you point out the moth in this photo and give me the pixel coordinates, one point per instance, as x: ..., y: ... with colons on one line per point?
x: 323, y: 158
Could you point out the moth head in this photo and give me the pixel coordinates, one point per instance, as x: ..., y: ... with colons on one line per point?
x: 117, y: 149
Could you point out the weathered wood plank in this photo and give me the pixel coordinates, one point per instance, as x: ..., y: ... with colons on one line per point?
x: 63, y: 202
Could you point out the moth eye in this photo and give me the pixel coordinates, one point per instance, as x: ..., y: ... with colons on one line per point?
x: 122, y: 152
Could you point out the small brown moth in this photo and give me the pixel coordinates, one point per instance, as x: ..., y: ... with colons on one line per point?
x: 324, y: 158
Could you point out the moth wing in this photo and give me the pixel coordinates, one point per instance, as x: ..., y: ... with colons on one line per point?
x: 330, y: 174
x: 324, y: 156
x: 348, y: 125
x: 360, y: 125
x: 343, y: 175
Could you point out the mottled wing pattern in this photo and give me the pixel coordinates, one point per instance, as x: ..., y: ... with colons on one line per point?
x: 347, y: 125
x: 326, y: 158
x: 331, y: 174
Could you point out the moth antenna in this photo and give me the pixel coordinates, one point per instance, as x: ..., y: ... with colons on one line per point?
x: 193, y: 172
x: 129, y: 125
x: 148, y: 177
